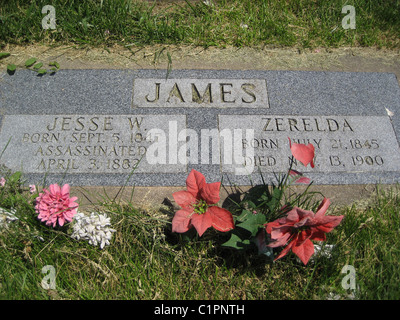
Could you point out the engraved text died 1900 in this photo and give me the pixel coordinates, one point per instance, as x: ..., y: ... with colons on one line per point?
x: 342, y: 143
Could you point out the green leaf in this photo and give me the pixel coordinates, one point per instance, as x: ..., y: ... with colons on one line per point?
x: 54, y: 64
x: 245, y: 214
x: 257, y: 195
x: 42, y: 71
x: 4, y: 55
x: 253, y: 223
x: 11, y: 67
x: 30, y: 62
x: 37, y: 66
x: 236, y: 242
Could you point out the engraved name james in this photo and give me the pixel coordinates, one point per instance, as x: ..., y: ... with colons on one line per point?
x: 200, y: 93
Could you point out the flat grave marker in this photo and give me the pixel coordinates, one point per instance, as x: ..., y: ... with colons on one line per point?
x: 99, y: 127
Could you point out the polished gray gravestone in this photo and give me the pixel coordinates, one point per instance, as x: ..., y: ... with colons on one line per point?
x: 151, y: 127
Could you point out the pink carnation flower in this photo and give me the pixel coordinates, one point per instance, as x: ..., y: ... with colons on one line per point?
x: 55, y: 205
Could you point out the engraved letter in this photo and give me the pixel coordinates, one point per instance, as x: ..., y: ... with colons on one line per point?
x: 175, y: 92
x: 347, y: 125
x: 223, y: 92
x: 78, y: 121
x: 267, y: 124
x: 196, y: 97
x: 293, y: 123
x: 96, y: 126
x: 65, y: 123
x: 107, y: 123
x: 54, y: 125
x: 330, y: 121
x: 157, y: 96
x: 136, y: 122
x: 246, y: 88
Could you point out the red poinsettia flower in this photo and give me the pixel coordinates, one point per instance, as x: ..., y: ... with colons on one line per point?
x: 197, y: 207
x: 299, y: 227
x: 304, y: 153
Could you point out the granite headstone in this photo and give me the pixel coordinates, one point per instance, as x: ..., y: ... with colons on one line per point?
x: 151, y: 127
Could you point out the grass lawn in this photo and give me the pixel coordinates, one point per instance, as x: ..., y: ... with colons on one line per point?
x: 145, y: 260
x: 301, y: 23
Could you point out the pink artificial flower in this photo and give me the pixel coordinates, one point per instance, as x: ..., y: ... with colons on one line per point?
x: 2, y: 182
x: 303, y: 153
x: 55, y: 205
x: 298, y: 177
x: 299, y: 227
x: 196, y: 207
x: 32, y: 188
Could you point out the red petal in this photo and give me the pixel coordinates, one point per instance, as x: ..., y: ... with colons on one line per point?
x: 318, y: 235
x: 303, y: 236
x: 298, y: 177
x: 270, y: 225
x: 323, y: 207
x: 181, y: 221
x: 285, y: 251
x: 304, y: 180
x: 210, y: 192
x: 201, y: 222
x: 222, y: 219
x: 281, y: 231
x: 327, y: 223
x: 304, y: 153
x: 195, y: 182
x: 304, y: 251
x: 183, y: 198
x: 281, y: 241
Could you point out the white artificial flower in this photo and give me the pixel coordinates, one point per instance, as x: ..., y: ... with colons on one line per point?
x: 94, y: 228
x: 323, y: 251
